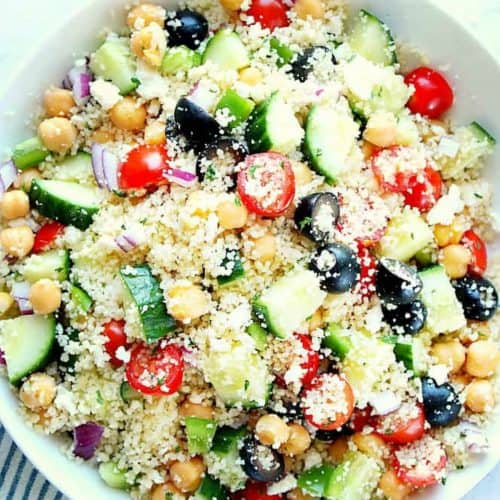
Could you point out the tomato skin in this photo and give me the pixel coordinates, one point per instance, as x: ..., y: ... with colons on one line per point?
x: 255, y: 491
x: 262, y: 169
x: 311, y: 363
x: 270, y: 14
x: 423, y: 190
x: 114, y: 331
x: 144, y: 167
x: 46, y: 235
x: 406, y: 432
x: 368, y: 273
x: 163, y: 357
x: 478, y: 250
x: 361, y: 418
x: 433, y: 95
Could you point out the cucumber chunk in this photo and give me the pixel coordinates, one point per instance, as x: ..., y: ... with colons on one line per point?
x: 285, y: 53
x: 289, y: 302
x: 315, y: 481
x: 77, y: 169
x: 226, y: 50
x: 413, y: 355
x: 239, y: 108
x: 27, y: 342
x: 200, y: 433
x: 259, y: 335
x: 180, y: 58
x: 53, y: 265
x: 81, y: 299
x: 327, y: 148
x: 233, y: 267
x: 113, y: 476
x: 337, y: 340
x: 444, y: 311
x: 128, y: 393
x: 210, y: 489
x: 371, y: 38
x: 66, y: 202
x: 113, y: 61
x: 29, y: 153
x: 272, y: 126
x: 147, y: 295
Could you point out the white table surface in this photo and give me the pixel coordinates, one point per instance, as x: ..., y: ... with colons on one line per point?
x: 33, y: 20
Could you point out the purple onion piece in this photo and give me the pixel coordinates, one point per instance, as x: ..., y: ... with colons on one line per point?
x: 124, y: 243
x: 78, y: 80
x: 20, y: 292
x: 3, y: 362
x: 8, y: 174
x: 110, y: 166
x: 97, y: 165
x: 180, y: 177
x: 86, y: 439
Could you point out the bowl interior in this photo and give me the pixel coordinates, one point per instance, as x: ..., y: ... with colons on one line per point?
x: 450, y: 47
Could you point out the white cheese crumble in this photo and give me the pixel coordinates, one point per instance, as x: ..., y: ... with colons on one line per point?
x: 105, y: 93
x: 446, y: 207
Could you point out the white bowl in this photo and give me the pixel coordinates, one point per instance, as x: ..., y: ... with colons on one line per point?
x: 473, y: 71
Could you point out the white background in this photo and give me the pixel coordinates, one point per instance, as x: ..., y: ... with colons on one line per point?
x: 24, y: 22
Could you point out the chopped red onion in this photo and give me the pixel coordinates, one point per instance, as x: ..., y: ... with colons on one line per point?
x: 129, y: 240
x: 180, y: 177
x: 78, y: 79
x: 3, y: 362
x: 190, y: 356
x: 21, y: 292
x: 384, y: 403
x: 86, y: 439
x: 475, y: 439
x: 105, y: 166
x: 318, y: 92
x: 8, y: 174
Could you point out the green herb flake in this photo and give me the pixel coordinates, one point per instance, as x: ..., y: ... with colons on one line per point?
x: 305, y: 222
x: 210, y: 174
x: 237, y: 201
x: 480, y: 196
x: 99, y: 397
x: 247, y: 384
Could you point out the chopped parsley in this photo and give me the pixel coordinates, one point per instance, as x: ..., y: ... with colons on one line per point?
x: 305, y: 222
x: 99, y: 397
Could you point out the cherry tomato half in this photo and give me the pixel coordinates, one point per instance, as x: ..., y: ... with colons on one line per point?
x: 269, y: 13
x: 433, y: 95
x: 361, y: 418
x: 157, y: 369
x: 397, y: 428
x: 266, y: 184
x: 328, y: 391
x: 478, y: 250
x: 144, y: 167
x: 114, y: 331
x: 423, y: 190
x: 46, y: 235
x: 428, y: 464
x: 368, y: 272
x: 311, y: 361
x: 255, y: 491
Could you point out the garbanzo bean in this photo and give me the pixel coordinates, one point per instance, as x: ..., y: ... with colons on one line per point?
x: 456, y: 260
x: 316, y: 321
x: 338, y: 449
x: 154, y: 133
x: 480, y: 396
x: 381, y: 129
x: 17, y: 241
x: 232, y: 214
x: 25, y: 178
x: 271, y: 430
x: 38, y: 391
x: 448, y: 235
x: 145, y: 14
x: 102, y: 136
x: 231, y: 5
x: 392, y: 487
x: 128, y: 114
x: 187, y: 476
x: 149, y: 44
x: 187, y: 302
x: 451, y: 354
x: 45, y: 296
x: 251, y: 76
x: 58, y: 102
x: 265, y: 248
x: 371, y: 445
x: 57, y: 134
x: 309, y: 8
x: 298, y: 441
x: 161, y: 491
x: 15, y: 204
x: 189, y: 409
x: 6, y: 302
x: 482, y: 359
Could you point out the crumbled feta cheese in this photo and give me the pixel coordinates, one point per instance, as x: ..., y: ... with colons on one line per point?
x: 446, y: 207
x: 439, y: 373
x: 286, y: 484
x: 105, y: 93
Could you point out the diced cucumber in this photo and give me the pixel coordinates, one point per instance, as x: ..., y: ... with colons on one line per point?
x: 427, y: 256
x: 233, y: 266
x: 238, y: 107
x: 113, y: 61
x: 210, y: 489
x: 289, y: 302
x: 406, y: 129
x: 200, y: 433
x: 113, y: 476
x: 259, y: 335
x: 337, y: 339
x: 371, y: 38
x: 328, y: 148
x: 29, y: 153
x: 53, y: 265
x: 272, y: 126
x: 226, y: 50
x: 413, y: 355
x: 77, y: 169
x: 228, y: 440
x: 147, y: 295
x: 128, y: 393
x: 180, y: 58
x: 65, y: 202
x: 285, y: 53
x: 444, y: 311
x: 354, y: 479
x: 405, y: 235
x: 315, y: 481
x: 81, y: 299
x: 239, y: 376
x: 27, y: 342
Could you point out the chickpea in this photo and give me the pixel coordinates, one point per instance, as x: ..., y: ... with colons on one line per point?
x: 381, y: 129
x: 338, y: 449
x: 58, y: 102
x: 451, y: 354
x: 309, y: 8
x: 448, y: 235
x: 38, y: 391
x: 6, y: 302
x: 298, y: 494
x: 128, y: 115
x: 460, y: 380
x: 14, y: 204
x: 271, y: 430
x: 231, y: 5
x: 232, y: 214
x: 25, y: 178
x: 57, y: 134
x: 149, y: 44
x: 298, y: 441
x: 200, y: 203
x: 251, y: 76
x: 265, y: 248
x: 187, y: 302
x: 482, y: 359
x: 189, y: 409
x: 316, y: 321
x: 392, y: 487
x: 17, y: 241
x: 368, y: 150
x: 161, y: 491
x: 102, y: 136
x: 303, y: 174
x: 45, y: 296
x: 145, y: 14
x: 154, y: 133
x: 371, y: 445
x: 187, y: 476
x: 480, y: 396
x: 456, y: 260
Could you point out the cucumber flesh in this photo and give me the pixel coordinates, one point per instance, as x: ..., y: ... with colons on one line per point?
x: 29, y: 153
x: 53, y: 265
x: 337, y: 340
x: 413, y: 355
x: 113, y: 476
x: 315, y: 480
x: 81, y: 299
x: 180, y: 58
x: 128, y: 393
x: 239, y: 108
x: 27, y: 342
x: 200, y: 433
x: 226, y: 50
x: 210, y: 489
x: 77, y: 169
x: 259, y: 336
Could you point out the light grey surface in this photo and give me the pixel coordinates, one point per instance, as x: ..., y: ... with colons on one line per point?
x: 24, y: 22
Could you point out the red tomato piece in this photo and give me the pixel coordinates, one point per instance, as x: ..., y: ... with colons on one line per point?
x: 421, y: 463
x: 368, y: 273
x: 433, y: 95
x: 332, y: 396
x: 145, y: 166
x: 311, y: 363
x: 46, y: 235
x: 397, y: 428
x: 478, y: 250
x: 114, y: 331
x: 255, y: 491
x: 157, y: 369
x: 269, y: 13
x: 423, y: 190
x: 266, y: 184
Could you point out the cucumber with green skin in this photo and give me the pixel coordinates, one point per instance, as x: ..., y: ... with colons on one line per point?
x: 66, y: 202
x: 29, y: 153
x: 53, y: 265
x: 81, y: 299
x: 210, y: 489
x: 145, y: 292
x: 337, y: 340
x: 413, y: 355
x: 259, y: 335
x: 179, y: 58
x: 232, y: 263
x: 315, y: 480
x: 113, y: 476
x: 128, y: 393
x: 200, y: 433
x: 226, y: 50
